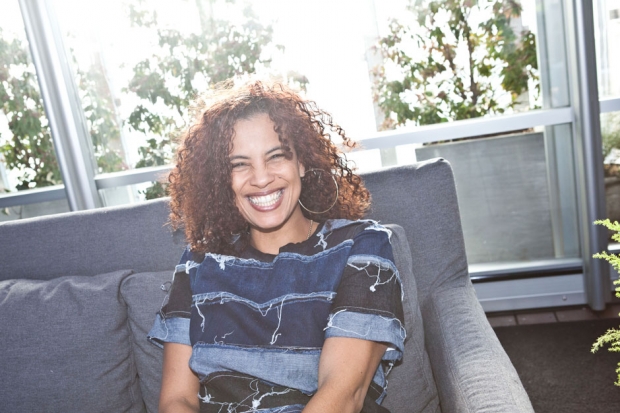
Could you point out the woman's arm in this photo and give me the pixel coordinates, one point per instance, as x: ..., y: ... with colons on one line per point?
x: 179, y: 385
x: 346, y: 367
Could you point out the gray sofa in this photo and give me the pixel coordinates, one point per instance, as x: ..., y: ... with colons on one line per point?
x: 79, y: 291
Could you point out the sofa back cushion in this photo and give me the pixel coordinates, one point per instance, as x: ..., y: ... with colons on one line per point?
x: 422, y: 199
x: 144, y: 296
x: 66, y: 346
x: 90, y: 242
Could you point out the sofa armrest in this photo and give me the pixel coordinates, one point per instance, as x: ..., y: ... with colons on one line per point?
x: 471, y: 368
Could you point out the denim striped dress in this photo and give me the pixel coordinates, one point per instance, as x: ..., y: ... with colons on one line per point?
x: 257, y: 322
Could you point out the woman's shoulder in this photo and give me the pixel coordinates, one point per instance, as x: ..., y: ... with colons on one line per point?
x: 352, y: 226
x: 339, y: 230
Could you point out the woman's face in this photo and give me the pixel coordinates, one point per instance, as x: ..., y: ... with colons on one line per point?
x: 265, y: 179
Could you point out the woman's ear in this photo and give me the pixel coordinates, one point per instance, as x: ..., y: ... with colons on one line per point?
x: 302, y: 169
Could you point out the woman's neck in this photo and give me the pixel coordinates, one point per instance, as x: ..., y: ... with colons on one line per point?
x: 296, y: 229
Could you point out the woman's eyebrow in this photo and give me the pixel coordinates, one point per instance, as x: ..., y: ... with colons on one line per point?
x: 275, y: 148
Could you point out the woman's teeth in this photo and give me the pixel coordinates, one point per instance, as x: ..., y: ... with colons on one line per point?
x: 267, y: 200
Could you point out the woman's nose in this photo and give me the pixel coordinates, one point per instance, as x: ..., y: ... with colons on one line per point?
x: 262, y: 176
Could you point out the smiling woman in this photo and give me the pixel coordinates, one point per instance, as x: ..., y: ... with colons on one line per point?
x: 266, y: 181
x: 284, y: 300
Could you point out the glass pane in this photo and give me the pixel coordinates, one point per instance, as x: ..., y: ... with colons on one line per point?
x: 551, y: 43
x: 441, y: 61
x: 373, y: 159
x: 26, y: 148
x: 516, y: 193
x: 33, y: 210
x: 607, y: 33
x: 27, y: 156
x: 610, y: 131
x: 136, y: 94
x: 129, y: 194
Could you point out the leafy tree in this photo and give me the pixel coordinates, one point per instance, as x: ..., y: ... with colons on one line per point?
x: 183, y: 66
x: 440, y: 66
x: 28, y: 148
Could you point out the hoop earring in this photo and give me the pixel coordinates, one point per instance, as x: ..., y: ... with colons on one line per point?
x: 333, y: 203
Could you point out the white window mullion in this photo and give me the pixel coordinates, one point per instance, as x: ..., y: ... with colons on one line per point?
x: 62, y: 105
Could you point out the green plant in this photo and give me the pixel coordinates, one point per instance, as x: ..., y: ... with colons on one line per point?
x: 441, y: 66
x: 612, y: 336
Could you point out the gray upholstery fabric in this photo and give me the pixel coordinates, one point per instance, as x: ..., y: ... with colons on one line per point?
x: 475, y: 373
x: 421, y: 198
x: 144, y: 296
x: 65, y: 346
x: 411, y: 386
x: 90, y: 242
x: 471, y: 369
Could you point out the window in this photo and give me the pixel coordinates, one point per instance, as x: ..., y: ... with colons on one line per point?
x: 137, y: 65
x: 409, y: 82
x: 607, y: 21
x: 27, y: 156
x: 515, y: 181
x: 607, y: 30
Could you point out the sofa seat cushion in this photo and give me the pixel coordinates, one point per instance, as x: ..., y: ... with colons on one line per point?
x: 66, y: 346
x: 144, y: 296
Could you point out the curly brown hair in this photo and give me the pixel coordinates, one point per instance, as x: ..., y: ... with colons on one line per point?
x: 202, y: 199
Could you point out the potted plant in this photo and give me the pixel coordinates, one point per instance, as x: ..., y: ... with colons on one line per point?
x: 612, y: 336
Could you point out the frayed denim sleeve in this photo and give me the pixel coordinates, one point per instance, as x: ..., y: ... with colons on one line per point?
x: 388, y: 330
x: 169, y: 330
x: 368, y: 303
x: 172, y: 321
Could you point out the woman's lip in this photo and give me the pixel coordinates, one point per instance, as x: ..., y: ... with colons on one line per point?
x: 265, y: 208
x: 263, y: 193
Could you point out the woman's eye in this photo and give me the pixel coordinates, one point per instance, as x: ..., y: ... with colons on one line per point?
x: 238, y: 165
x: 277, y: 156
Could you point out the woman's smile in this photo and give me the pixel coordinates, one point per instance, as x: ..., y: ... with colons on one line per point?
x: 266, y: 202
